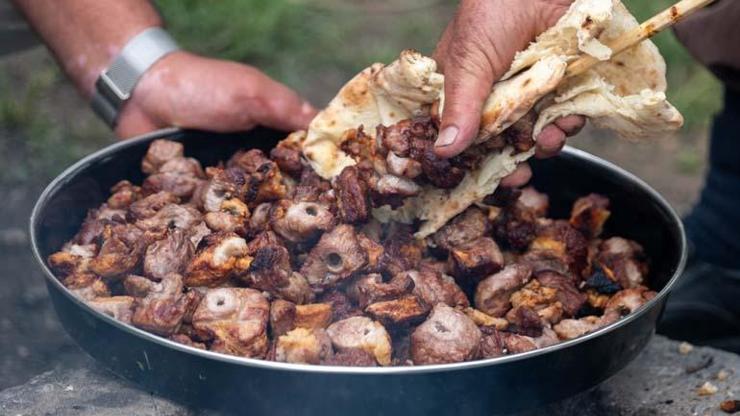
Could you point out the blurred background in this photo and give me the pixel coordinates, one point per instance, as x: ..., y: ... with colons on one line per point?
x: 313, y: 46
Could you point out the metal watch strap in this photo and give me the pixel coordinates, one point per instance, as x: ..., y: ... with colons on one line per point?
x: 115, y: 84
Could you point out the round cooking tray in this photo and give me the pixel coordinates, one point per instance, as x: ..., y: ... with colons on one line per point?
x: 497, y: 385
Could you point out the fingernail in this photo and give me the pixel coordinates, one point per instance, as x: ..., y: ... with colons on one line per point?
x: 447, y: 136
x: 307, y: 108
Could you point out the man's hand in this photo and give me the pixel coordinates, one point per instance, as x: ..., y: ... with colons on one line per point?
x: 476, y: 49
x: 186, y: 90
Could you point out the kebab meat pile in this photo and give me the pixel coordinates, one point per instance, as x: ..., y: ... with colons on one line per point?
x: 260, y: 257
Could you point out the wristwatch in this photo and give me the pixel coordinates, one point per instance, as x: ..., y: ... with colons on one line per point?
x: 115, y: 84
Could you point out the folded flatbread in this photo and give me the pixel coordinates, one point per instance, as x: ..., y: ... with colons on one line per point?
x: 624, y: 93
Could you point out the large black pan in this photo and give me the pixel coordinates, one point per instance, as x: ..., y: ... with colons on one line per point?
x: 258, y: 387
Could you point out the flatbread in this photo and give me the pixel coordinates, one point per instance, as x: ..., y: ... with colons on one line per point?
x: 625, y: 93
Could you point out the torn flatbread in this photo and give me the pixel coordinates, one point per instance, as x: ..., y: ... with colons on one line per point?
x: 625, y: 93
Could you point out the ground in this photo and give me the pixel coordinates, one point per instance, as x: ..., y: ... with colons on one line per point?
x: 45, y: 126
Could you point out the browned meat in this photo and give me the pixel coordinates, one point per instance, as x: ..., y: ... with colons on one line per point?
x: 233, y: 217
x: 313, y: 315
x: 124, y: 193
x: 150, y: 205
x: 434, y: 288
x: 493, y: 344
x: 538, y: 298
x: 563, y: 240
x: 260, y: 219
x: 519, y: 135
x: 515, y: 226
x: 186, y: 340
x: 341, y: 305
x: 121, y: 250
x: 524, y: 320
x: 223, y: 184
x: 310, y: 187
x: 401, y: 312
x: 373, y: 250
x: 352, y: 195
x: 220, y: 257
x: 176, y: 183
x: 300, y: 221
x: 534, y: 201
x: 403, y: 166
x: 170, y: 216
x: 169, y: 255
x: 86, y: 286
x: 589, y: 214
x: 282, y: 317
x: 304, y: 346
x: 73, y: 259
x: 545, y: 260
x: 371, y: 288
x: 483, y: 320
x: 402, y: 252
x: 160, y: 152
x: 270, y: 271
x: 162, y: 309
x: 574, y: 328
x: 447, y: 336
x: 566, y: 293
x: 470, y: 225
x: 235, y: 319
x: 493, y: 293
x: 264, y: 180
x: 361, y: 333
x: 117, y: 307
x: 623, y: 261
x: 629, y: 300
x: 335, y: 257
x: 352, y: 358
x: 476, y: 259
x: 287, y: 155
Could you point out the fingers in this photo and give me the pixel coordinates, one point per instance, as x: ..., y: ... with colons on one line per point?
x: 279, y: 107
x: 519, y: 177
x: 571, y: 125
x: 549, y: 142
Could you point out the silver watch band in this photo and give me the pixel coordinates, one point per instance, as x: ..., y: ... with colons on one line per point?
x: 115, y: 84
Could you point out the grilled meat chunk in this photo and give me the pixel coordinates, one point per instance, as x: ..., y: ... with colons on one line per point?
x: 589, y: 214
x: 304, y: 346
x: 468, y: 226
x: 623, y: 261
x: 476, y: 259
x: 371, y: 288
x: 282, y: 317
x: 270, y: 270
x: 160, y: 152
x: 401, y: 312
x: 447, y: 336
x: 123, y: 194
x: 335, y: 257
x: 353, y: 199
x: 433, y: 288
x: 361, y: 333
x: 117, y: 307
x: 235, y: 319
x: 493, y: 293
x: 162, y: 309
x: 300, y: 221
x: 169, y: 255
x: 220, y: 257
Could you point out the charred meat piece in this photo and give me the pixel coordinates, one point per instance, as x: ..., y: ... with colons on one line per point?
x: 523, y: 320
x: 541, y: 299
x: 121, y: 250
x: 160, y: 152
x: 401, y: 312
x: 260, y: 219
x: 162, y: 309
x: 484, y: 320
x: 493, y: 293
x: 623, y: 261
x: 335, y: 257
x: 564, y: 241
x: 341, y: 305
x: 519, y: 134
x: 433, y: 288
x: 361, y: 333
x: 73, y: 259
x: 629, y: 300
x: 233, y: 217
x: 177, y: 183
x: 468, y: 226
x: 371, y: 288
x: 171, y: 216
x: 447, y: 336
x: 271, y: 271
x: 353, y: 199
x: 403, y: 166
x: 146, y: 207
x: 117, y: 307
x: 287, y: 154
x: 304, y: 346
x: 402, y: 252
x: 566, y: 292
x: 300, y: 221
x: 123, y: 194
x: 313, y: 315
x: 589, y: 214
x: 86, y: 286
x: 472, y: 261
x: 373, y: 250
x: 310, y: 187
x: 601, y: 282
x: 223, y: 184
x: 186, y: 340
x: 282, y: 317
x: 515, y: 226
x: 236, y: 321
x: 169, y: 255
x: 220, y: 257
x: 352, y: 358
x: 264, y: 181
x: 545, y: 260
x: 574, y: 328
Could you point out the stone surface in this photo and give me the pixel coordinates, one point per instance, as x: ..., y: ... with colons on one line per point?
x: 662, y: 381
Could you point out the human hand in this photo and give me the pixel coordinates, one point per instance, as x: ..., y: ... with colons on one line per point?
x: 475, y: 50
x: 190, y: 91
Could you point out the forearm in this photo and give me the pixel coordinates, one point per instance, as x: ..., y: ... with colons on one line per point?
x: 85, y: 35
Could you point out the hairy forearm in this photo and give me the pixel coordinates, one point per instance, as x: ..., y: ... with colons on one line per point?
x: 85, y: 35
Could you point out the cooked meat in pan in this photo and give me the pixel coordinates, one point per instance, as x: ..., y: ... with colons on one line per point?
x: 260, y: 257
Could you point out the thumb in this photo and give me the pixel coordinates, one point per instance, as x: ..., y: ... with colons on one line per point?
x: 280, y: 107
x: 468, y: 83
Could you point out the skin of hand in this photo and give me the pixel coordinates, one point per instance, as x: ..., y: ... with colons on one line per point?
x: 475, y: 50
x: 190, y: 91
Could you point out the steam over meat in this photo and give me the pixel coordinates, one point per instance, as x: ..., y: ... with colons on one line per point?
x: 447, y: 336
x: 235, y: 320
x: 335, y: 257
x: 261, y: 257
x: 361, y: 333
